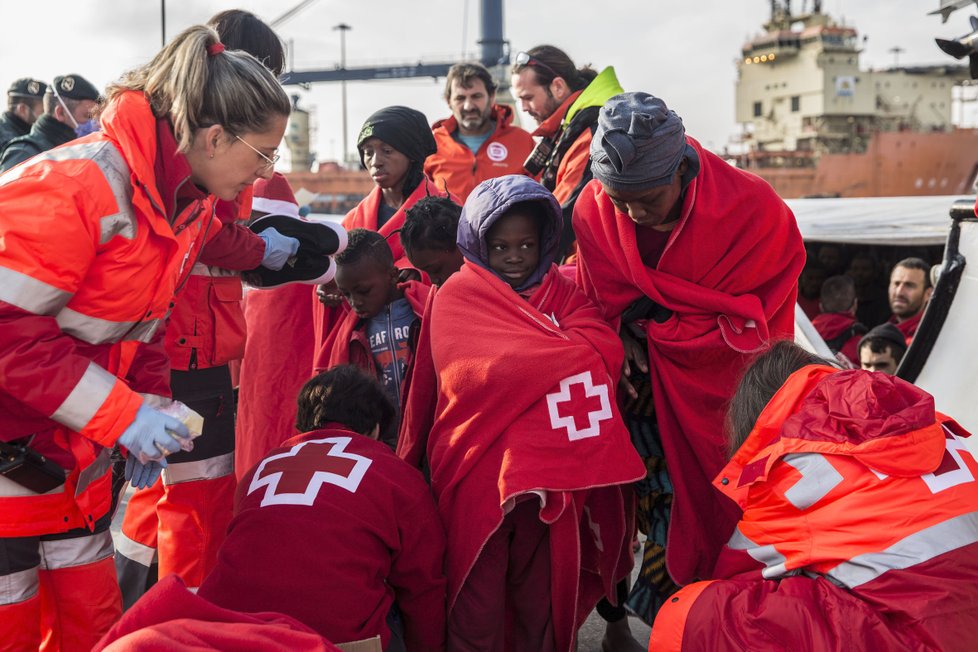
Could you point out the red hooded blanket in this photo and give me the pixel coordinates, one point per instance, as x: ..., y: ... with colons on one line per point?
x: 518, y: 397
x: 171, y: 618
x: 364, y: 216
x: 729, y: 274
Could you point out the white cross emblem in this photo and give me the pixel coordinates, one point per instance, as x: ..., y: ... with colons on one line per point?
x: 563, y: 395
x: 334, y: 468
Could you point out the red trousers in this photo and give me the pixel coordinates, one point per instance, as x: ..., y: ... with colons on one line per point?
x: 509, y: 583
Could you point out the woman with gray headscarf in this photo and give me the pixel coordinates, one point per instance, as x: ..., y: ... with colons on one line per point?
x: 699, y: 263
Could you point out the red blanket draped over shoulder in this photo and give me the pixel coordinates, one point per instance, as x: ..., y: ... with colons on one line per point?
x: 518, y: 397
x: 729, y: 274
x: 364, y: 216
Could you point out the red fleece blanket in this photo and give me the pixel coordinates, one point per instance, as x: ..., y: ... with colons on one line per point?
x: 364, y: 216
x: 337, y: 345
x: 169, y: 617
x: 277, y: 362
x: 518, y: 397
x: 729, y: 274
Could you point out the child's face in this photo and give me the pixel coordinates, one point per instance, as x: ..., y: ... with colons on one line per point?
x: 438, y: 264
x: 367, y: 286
x: 514, y: 247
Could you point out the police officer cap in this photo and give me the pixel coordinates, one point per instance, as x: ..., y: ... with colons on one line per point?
x: 75, y: 87
x: 27, y: 87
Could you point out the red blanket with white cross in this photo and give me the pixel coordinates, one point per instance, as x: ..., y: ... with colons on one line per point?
x: 518, y: 398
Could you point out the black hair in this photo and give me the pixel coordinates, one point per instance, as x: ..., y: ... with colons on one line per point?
x: 557, y: 60
x: 465, y: 74
x: 880, y: 344
x: 363, y: 244
x: 916, y: 263
x: 432, y: 223
x: 242, y: 30
x: 838, y: 294
x: 347, y: 396
x: 761, y: 381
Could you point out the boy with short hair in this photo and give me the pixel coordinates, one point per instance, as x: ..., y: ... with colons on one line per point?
x: 363, y: 544
x: 377, y: 333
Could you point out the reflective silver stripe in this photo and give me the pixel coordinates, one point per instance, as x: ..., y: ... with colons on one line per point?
x: 93, y: 330
x: 200, y: 269
x: 30, y: 294
x: 215, y: 467
x: 78, y: 551
x: 818, y: 478
x: 134, y: 551
x: 94, y: 471
x: 86, y: 398
x: 96, y: 330
x: 917, y: 548
x: 117, y: 175
x: 774, y: 562
x: 144, y: 330
x: 18, y: 586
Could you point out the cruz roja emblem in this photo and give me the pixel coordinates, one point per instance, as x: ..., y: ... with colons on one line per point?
x: 579, y: 398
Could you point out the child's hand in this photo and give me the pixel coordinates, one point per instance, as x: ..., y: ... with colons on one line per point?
x: 329, y: 295
x: 634, y: 358
x: 408, y: 274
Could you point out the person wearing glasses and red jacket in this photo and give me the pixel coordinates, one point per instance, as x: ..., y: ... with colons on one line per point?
x: 97, y: 237
x: 180, y: 521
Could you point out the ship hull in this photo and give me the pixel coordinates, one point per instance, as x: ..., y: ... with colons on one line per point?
x: 895, y: 164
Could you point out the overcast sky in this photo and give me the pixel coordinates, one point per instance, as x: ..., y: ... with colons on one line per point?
x: 683, y: 51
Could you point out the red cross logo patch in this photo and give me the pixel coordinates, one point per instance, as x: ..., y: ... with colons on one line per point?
x: 296, y: 476
x: 578, y: 397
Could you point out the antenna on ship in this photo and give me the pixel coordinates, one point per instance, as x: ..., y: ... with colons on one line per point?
x: 896, y: 50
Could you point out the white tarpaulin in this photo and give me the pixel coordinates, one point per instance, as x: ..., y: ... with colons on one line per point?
x: 875, y: 220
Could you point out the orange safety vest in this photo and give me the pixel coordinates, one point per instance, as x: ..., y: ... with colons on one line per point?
x: 89, y: 264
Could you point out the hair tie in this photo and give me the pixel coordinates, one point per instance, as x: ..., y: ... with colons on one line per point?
x: 215, y: 49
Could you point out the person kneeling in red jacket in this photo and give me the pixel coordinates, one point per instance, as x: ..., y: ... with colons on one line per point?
x: 859, y: 527
x: 334, y: 530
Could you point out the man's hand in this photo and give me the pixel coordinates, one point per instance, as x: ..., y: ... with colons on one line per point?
x: 634, y: 359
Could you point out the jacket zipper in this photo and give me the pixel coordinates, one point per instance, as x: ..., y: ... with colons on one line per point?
x: 391, y: 341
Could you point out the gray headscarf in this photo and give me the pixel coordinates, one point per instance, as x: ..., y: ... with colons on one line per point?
x: 639, y: 143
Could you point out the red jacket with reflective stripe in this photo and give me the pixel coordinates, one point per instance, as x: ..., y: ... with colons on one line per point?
x: 859, y: 531
x: 207, y: 327
x: 89, y: 263
x: 456, y: 166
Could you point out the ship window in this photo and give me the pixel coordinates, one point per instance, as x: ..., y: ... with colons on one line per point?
x: 795, y: 103
x: 758, y: 110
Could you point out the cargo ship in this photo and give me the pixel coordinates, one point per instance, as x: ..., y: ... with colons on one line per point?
x: 814, y: 124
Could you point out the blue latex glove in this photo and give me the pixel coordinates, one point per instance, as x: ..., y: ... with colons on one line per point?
x: 278, y: 249
x: 143, y: 475
x: 152, y: 431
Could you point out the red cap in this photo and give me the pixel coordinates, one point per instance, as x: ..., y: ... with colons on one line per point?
x: 275, y: 197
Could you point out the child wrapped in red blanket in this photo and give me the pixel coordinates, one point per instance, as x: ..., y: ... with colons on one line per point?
x: 514, y: 379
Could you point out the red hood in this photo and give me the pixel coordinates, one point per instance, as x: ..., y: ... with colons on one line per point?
x: 502, y: 114
x: 129, y: 123
x: 832, y: 324
x: 885, y: 422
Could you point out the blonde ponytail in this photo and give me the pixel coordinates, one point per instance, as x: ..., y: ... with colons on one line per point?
x: 196, y: 89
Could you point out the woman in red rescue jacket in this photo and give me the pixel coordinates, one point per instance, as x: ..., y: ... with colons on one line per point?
x: 859, y: 527
x: 95, y: 238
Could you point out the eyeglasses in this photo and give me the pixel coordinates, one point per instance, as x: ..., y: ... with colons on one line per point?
x: 525, y: 59
x: 269, y: 162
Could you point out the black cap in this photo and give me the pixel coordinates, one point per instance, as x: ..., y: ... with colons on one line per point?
x: 75, y: 87
x: 27, y: 87
x: 404, y: 129
x: 888, y: 333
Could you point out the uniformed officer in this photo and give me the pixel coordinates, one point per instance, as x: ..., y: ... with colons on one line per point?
x: 23, y: 107
x: 68, y: 107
